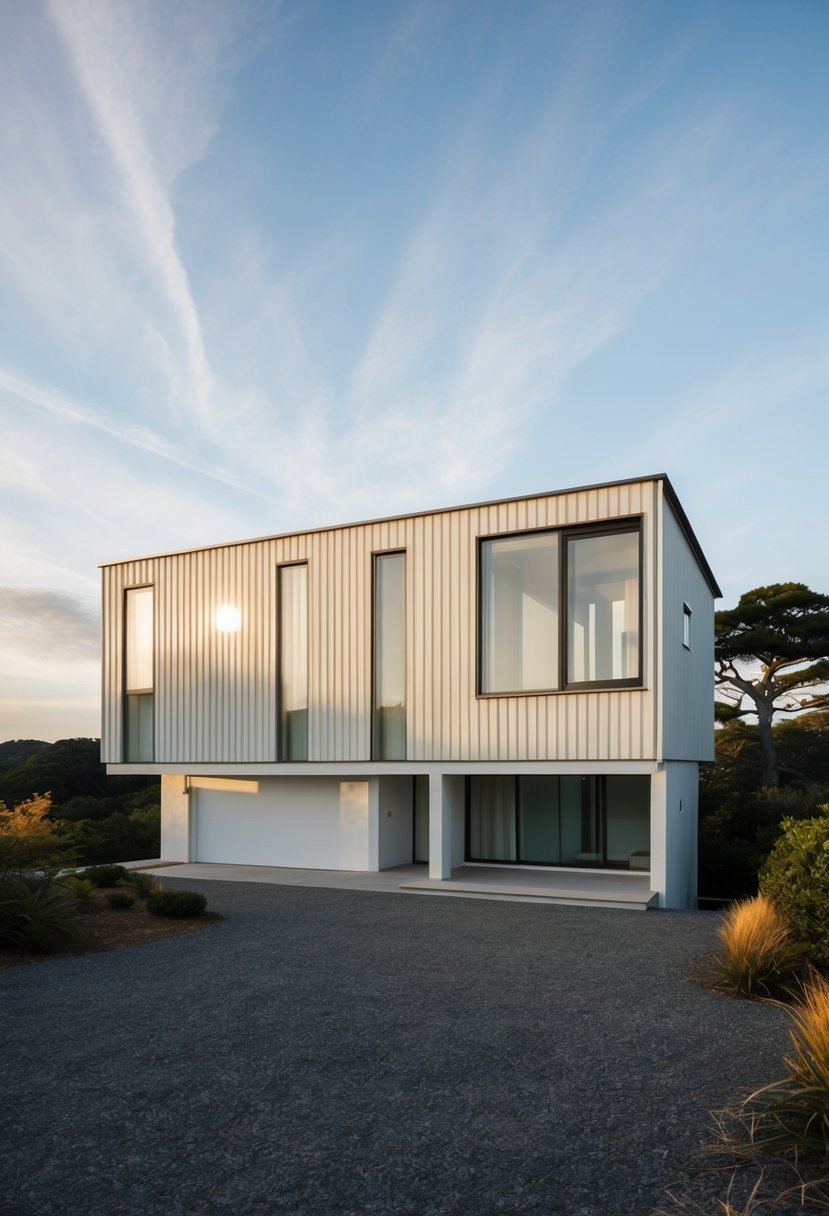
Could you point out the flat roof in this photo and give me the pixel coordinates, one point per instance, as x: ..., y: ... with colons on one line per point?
x: 670, y: 494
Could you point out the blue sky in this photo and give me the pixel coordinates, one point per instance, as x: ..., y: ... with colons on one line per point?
x: 272, y: 265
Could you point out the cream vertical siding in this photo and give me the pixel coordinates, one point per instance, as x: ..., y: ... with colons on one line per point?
x: 216, y: 694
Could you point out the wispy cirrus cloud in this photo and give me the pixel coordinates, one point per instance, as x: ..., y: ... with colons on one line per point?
x: 152, y: 110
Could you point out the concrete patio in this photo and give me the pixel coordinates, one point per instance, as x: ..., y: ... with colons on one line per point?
x: 513, y: 883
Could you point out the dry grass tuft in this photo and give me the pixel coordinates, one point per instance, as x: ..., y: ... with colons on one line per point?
x: 809, y: 1066
x: 760, y: 957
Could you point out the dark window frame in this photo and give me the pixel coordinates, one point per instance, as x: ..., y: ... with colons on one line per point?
x: 127, y: 693
x: 377, y: 554
x: 594, y: 801
x: 566, y: 533
x: 282, y: 722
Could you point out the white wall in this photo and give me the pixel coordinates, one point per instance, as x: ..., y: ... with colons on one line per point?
x: 313, y: 822
x: 395, y: 827
x: 175, y: 818
x: 687, y: 688
x: 674, y: 800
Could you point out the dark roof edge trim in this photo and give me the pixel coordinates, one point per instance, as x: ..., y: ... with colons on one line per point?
x: 684, y: 523
x: 670, y: 494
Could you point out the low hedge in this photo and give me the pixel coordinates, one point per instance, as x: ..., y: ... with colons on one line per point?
x: 105, y: 876
x: 177, y: 903
x: 120, y: 899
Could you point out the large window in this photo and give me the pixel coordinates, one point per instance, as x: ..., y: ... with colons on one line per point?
x: 559, y: 609
x: 603, y: 608
x: 389, y: 727
x: 293, y: 662
x: 589, y: 822
x: 139, y: 683
x: 519, y: 613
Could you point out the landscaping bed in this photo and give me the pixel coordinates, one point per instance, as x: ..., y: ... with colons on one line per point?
x: 101, y: 927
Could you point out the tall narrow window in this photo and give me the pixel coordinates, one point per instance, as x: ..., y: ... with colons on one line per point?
x: 603, y: 608
x: 139, y: 685
x: 389, y: 732
x: 686, y: 626
x: 293, y: 651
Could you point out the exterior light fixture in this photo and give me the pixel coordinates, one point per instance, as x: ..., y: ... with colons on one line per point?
x: 228, y: 619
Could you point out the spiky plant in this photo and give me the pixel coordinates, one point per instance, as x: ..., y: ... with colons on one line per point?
x: 38, y: 918
x: 790, y: 1118
x: 759, y: 957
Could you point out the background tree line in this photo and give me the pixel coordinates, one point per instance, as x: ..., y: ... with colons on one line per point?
x: 771, y: 667
x: 103, y: 818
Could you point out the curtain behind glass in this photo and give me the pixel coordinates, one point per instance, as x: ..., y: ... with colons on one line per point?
x: 492, y: 818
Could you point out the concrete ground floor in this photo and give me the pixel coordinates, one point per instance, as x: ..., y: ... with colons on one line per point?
x: 623, y: 837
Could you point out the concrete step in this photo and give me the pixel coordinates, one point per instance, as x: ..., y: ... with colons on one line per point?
x: 634, y: 899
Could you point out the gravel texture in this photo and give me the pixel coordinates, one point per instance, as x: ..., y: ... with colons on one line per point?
x: 335, y: 1052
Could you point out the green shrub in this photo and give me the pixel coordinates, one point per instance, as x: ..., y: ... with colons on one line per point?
x: 796, y: 880
x: 120, y: 899
x: 177, y: 903
x: 132, y: 836
x: 36, y: 919
x: 30, y: 839
x: 105, y: 876
x: 80, y: 888
x: 143, y: 884
x: 39, y: 939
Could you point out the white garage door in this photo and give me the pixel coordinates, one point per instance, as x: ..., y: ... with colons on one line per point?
x: 303, y: 822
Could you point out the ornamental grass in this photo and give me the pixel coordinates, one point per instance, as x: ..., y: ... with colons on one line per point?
x: 790, y: 1118
x: 760, y: 957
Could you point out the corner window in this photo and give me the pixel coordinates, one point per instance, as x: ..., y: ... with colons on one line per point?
x: 139, y: 683
x: 389, y: 724
x: 519, y: 613
x: 686, y: 626
x: 560, y: 609
x: 293, y: 662
x: 603, y: 608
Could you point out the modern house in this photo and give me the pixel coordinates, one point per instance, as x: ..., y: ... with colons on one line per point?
x: 521, y: 687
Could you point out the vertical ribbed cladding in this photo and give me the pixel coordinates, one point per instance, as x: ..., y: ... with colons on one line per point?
x: 217, y: 694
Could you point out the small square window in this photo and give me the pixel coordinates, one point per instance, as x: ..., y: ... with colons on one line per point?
x: 686, y: 626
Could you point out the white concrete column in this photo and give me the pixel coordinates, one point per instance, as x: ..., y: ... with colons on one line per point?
x: 440, y: 858
x: 373, y: 825
x: 659, y: 835
x: 682, y: 831
x: 446, y: 824
x: 175, y: 817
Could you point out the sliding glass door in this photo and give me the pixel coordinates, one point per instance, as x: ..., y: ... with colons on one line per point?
x: 592, y: 822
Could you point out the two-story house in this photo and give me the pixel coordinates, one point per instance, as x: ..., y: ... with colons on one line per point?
x: 523, y: 684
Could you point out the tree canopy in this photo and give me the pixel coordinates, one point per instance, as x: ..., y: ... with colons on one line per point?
x: 783, y: 630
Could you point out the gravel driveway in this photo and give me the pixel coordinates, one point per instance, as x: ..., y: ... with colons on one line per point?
x: 330, y: 1052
